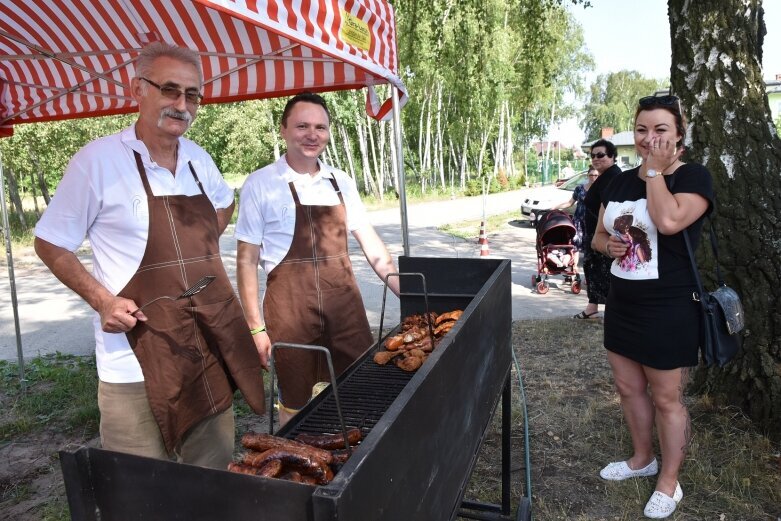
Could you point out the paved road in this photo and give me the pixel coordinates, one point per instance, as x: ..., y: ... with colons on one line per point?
x: 53, y: 319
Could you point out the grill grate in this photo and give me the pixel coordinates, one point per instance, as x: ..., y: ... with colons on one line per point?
x: 364, y: 395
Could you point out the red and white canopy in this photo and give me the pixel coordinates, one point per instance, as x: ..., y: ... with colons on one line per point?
x: 74, y: 58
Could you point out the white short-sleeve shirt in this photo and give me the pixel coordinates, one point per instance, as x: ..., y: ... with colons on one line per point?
x: 267, y: 211
x: 101, y: 197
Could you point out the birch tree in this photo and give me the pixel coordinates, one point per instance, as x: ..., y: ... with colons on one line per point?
x: 719, y: 81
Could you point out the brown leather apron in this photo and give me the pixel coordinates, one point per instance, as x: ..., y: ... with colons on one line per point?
x: 193, y: 352
x: 312, y: 298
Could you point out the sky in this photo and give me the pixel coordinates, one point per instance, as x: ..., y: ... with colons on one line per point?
x: 616, y: 38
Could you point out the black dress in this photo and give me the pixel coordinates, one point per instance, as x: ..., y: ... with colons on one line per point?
x: 595, y: 265
x: 650, y: 315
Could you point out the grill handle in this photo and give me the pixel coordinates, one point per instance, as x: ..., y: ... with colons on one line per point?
x: 425, y: 299
x: 284, y: 345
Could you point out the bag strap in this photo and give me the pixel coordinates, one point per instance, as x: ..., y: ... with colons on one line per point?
x: 714, y: 247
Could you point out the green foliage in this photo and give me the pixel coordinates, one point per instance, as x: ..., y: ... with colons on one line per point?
x: 778, y: 125
x: 61, y: 391
x: 613, y: 100
x: 481, y: 60
x: 20, y: 235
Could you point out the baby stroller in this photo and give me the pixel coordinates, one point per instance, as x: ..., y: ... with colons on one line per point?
x: 555, y: 251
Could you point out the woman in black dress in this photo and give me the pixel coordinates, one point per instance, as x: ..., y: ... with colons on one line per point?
x: 651, y: 321
x: 595, y: 265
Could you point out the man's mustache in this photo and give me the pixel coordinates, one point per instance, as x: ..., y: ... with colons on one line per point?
x: 177, y: 114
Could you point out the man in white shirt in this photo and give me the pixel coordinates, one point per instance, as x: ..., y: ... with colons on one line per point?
x: 294, y: 216
x: 153, y: 206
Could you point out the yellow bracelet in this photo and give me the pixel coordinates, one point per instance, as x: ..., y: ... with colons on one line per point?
x: 257, y: 330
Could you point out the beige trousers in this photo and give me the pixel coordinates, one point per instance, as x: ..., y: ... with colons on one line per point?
x: 127, y: 425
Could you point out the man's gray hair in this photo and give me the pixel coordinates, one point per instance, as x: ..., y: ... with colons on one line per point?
x: 156, y: 50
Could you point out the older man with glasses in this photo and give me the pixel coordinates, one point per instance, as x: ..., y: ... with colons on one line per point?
x: 595, y: 266
x: 153, y: 206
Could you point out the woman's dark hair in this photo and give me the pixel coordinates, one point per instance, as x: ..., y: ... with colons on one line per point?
x: 307, y: 97
x: 610, y: 148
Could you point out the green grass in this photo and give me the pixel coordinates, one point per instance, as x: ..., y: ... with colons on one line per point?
x: 61, y: 394
x: 576, y: 425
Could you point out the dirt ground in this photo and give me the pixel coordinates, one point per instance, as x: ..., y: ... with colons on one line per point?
x: 575, y: 428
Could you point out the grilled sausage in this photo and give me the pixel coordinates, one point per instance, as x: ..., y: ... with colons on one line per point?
x: 340, y: 456
x: 292, y: 476
x: 294, y: 458
x: 330, y: 441
x: 241, y: 468
x: 263, y: 442
x: 271, y: 469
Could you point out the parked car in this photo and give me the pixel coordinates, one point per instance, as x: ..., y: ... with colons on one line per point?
x: 541, y: 200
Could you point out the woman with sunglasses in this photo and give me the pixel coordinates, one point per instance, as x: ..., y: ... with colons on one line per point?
x: 595, y: 265
x: 651, y: 321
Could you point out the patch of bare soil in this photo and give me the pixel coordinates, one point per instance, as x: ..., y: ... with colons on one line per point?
x: 31, y: 485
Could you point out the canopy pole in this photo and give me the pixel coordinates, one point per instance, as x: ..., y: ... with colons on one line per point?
x: 10, y: 259
x: 400, y: 170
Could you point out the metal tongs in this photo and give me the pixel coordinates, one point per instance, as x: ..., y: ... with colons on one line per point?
x: 199, y: 286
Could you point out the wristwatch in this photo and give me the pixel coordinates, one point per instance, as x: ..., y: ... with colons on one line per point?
x: 651, y: 173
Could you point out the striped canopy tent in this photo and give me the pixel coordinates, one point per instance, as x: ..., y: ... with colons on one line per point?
x: 75, y: 58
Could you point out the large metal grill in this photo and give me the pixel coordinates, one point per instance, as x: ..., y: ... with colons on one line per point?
x: 422, y: 430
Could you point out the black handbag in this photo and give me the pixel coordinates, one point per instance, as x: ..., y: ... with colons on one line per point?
x: 722, y: 313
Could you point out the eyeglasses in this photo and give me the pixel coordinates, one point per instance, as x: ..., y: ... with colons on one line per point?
x: 191, y: 96
x: 598, y: 155
x: 660, y: 101
x: 594, y: 175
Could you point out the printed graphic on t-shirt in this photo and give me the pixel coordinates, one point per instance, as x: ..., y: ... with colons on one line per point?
x: 630, y: 221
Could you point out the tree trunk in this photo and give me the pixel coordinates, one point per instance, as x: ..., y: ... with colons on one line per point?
x: 392, y: 154
x: 367, y: 169
x: 720, y: 84
x: 13, y: 194
x: 348, y: 152
x: 41, y: 179
x: 440, y: 163
x: 34, y: 194
x: 462, y: 170
x: 274, y: 133
x: 381, y: 174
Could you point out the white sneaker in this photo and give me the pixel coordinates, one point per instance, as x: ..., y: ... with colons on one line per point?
x: 619, y: 470
x: 661, y: 505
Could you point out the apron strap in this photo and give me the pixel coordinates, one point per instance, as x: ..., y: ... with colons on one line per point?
x: 148, y: 188
x: 142, y: 173
x: 338, y: 192
x: 294, y: 193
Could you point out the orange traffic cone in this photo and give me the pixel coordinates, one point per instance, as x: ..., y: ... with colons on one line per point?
x: 483, y: 241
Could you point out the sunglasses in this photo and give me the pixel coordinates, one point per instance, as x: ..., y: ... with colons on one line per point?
x: 598, y: 155
x: 660, y: 101
x: 191, y: 96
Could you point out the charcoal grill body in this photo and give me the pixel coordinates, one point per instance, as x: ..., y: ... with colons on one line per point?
x: 422, y: 430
